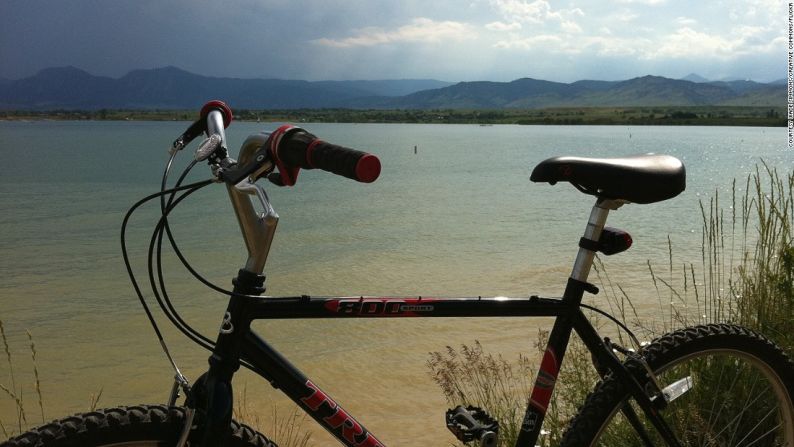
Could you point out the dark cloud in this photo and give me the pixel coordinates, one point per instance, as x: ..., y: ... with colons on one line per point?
x: 371, y: 39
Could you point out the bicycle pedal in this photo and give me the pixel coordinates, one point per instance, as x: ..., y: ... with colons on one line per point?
x: 473, y: 424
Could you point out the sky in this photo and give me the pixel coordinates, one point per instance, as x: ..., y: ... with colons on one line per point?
x: 450, y: 40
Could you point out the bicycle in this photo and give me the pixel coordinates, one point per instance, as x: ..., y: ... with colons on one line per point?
x: 713, y: 384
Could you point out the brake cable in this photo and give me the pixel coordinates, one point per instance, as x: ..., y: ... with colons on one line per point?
x: 168, y: 308
x: 190, y: 188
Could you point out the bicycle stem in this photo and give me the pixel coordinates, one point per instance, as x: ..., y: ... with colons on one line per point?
x: 258, y: 229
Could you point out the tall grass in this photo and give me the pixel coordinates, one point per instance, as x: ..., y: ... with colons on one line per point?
x: 286, y: 431
x: 746, y: 271
x: 764, y: 291
x: 470, y: 376
x: 15, y: 391
x: 745, y: 276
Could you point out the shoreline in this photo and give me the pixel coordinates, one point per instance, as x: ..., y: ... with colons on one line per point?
x: 744, y: 116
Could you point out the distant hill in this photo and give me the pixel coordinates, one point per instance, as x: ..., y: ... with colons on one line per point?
x: 172, y: 88
x: 638, y: 92
x: 399, y: 87
x: 766, y: 95
x: 694, y: 77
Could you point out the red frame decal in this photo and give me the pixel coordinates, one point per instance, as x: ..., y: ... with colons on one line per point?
x: 544, y: 384
x: 380, y: 307
x: 338, y: 419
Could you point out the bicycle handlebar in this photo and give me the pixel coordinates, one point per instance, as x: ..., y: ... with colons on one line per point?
x: 292, y: 148
x: 207, y: 123
x: 289, y: 148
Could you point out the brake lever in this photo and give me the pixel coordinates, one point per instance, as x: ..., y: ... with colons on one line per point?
x: 253, y: 169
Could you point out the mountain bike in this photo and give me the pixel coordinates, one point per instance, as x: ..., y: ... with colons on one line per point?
x: 706, y: 385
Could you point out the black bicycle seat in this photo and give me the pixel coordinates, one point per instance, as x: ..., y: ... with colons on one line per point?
x: 639, y: 179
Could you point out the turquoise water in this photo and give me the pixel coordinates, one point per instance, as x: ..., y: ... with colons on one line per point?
x: 458, y: 218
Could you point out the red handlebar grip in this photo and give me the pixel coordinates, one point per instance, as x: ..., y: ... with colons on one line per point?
x: 217, y: 105
x: 367, y: 168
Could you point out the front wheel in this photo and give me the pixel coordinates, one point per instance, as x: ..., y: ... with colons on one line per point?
x: 138, y: 426
x: 735, y: 389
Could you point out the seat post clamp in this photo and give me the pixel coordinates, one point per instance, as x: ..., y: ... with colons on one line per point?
x: 589, y: 244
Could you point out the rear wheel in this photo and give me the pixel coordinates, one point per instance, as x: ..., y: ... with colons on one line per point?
x: 737, y: 391
x: 138, y: 426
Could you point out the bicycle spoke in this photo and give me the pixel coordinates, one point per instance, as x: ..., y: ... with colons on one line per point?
x: 756, y: 426
x: 746, y: 405
x: 738, y: 416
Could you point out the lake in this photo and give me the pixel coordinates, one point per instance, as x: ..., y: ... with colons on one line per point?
x: 457, y: 218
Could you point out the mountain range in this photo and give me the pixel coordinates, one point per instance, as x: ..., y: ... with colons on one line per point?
x: 70, y: 88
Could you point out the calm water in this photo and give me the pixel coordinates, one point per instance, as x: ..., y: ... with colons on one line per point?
x: 459, y: 218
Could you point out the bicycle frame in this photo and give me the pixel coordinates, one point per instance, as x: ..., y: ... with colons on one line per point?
x: 236, y: 342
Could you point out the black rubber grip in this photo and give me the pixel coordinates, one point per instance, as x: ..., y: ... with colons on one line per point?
x: 304, y: 150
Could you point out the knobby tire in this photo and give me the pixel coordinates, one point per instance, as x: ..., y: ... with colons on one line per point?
x: 741, y: 394
x: 135, y: 426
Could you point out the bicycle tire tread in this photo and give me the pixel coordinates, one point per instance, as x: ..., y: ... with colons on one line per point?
x: 111, y: 424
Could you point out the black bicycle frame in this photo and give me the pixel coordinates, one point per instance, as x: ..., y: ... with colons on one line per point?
x: 212, y: 396
x: 236, y: 341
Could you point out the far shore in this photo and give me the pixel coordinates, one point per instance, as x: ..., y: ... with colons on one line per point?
x: 761, y: 116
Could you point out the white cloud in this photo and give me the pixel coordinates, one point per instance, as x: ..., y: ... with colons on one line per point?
x: 419, y: 30
x: 685, y: 21
x: 644, y: 2
x: 528, y: 43
x: 544, y: 42
x: 501, y: 26
x: 611, y: 46
x: 686, y: 42
x: 536, y: 12
x: 639, y: 33
x: 624, y: 16
x: 523, y: 11
x: 571, y: 27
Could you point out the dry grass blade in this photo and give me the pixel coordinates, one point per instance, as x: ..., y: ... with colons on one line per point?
x: 8, y: 355
x: 94, y: 399
x: 289, y: 431
x: 36, y: 375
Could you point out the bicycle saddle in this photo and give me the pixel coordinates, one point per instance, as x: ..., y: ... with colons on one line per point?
x: 639, y: 179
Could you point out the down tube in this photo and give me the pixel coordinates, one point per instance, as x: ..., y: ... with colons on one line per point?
x: 316, y: 403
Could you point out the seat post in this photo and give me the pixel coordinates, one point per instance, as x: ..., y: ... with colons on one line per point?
x: 598, y: 217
